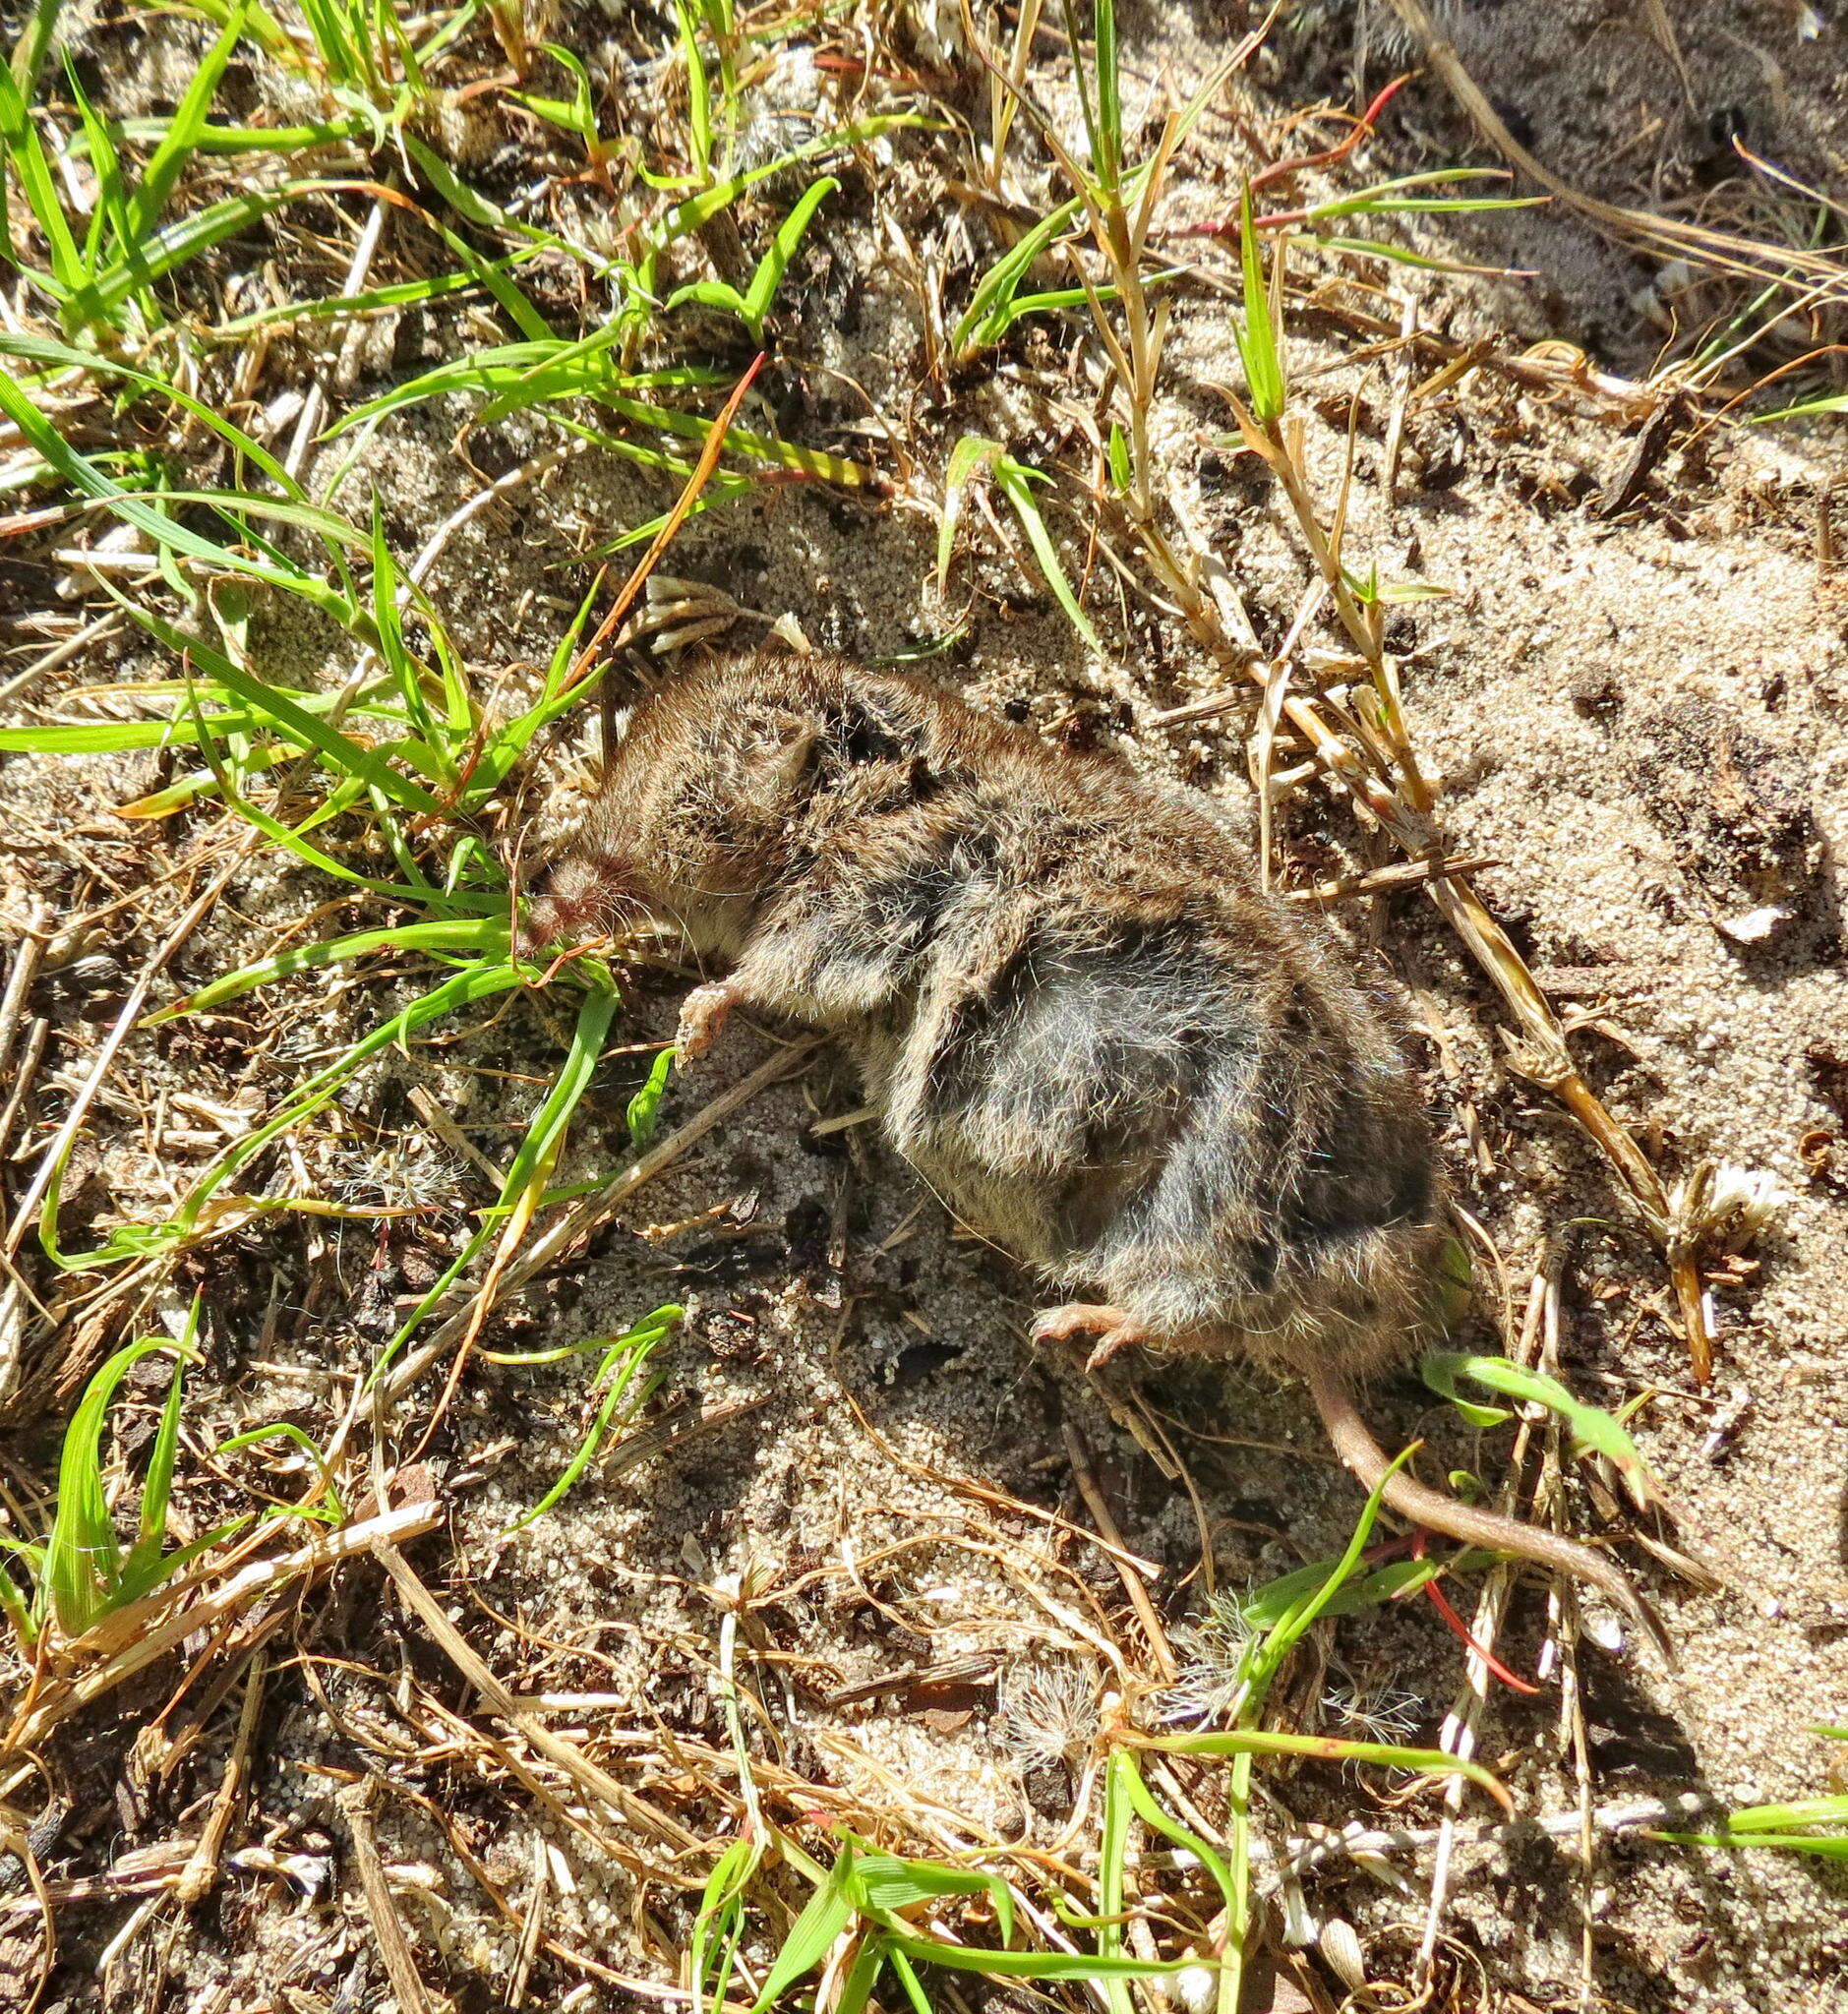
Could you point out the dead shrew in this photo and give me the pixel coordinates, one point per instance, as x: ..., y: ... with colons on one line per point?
x: 1078, y: 1020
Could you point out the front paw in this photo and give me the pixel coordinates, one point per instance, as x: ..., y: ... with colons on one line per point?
x: 703, y: 1019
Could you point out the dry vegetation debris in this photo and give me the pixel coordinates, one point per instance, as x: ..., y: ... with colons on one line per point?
x: 491, y: 1524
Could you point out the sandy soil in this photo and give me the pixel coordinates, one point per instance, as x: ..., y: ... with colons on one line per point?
x: 1637, y: 715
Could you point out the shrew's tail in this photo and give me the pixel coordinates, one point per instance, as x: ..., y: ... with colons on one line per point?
x: 1349, y: 1434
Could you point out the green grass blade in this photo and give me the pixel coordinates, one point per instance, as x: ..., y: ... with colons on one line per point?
x: 883, y: 1886
x: 483, y: 937
x: 1255, y: 1741
x: 41, y: 351
x: 1037, y: 1965
x: 1282, y: 1640
x: 775, y: 263
x: 1834, y: 402
x: 84, y: 475
x: 539, y: 1150
x: 644, y: 1108
x: 182, y: 136
x: 82, y: 1556
x: 701, y: 209
x: 627, y: 1354
x: 1823, y: 1844
x: 812, y: 1935
x: 990, y: 312
x: 341, y: 752
x: 229, y: 139
x: 807, y: 461
x: 394, y: 294
x: 140, y: 263
x: 33, y: 46
x: 1277, y: 1600
x: 287, y: 1430
x: 22, y: 153
x: 698, y: 91
x: 1014, y: 479
x: 478, y: 983
x: 1594, y: 1428
x: 1259, y: 344
x: 1109, y: 133
x: 469, y: 202
x: 1112, y: 1866
x: 111, y: 207
x: 111, y: 736
x: 719, y: 1927
x: 158, y: 1484
x: 972, y: 453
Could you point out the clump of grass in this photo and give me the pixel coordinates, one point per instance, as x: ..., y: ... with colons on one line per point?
x: 82, y: 1574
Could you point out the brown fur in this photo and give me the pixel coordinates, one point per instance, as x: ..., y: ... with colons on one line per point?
x: 1085, y: 1027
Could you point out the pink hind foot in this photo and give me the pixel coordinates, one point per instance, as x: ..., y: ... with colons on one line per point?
x: 1115, y: 1327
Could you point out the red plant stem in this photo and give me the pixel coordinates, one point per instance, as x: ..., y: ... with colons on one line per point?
x: 1279, y: 171
x: 703, y: 469
x: 1482, y: 1650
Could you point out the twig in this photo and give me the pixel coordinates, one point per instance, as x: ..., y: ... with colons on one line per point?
x: 135, y: 1636
x: 1086, y: 1477
x: 407, y: 1984
x: 1400, y: 874
x: 1666, y: 237
x: 1359, y: 1843
x: 540, y: 1737
x: 201, y: 1875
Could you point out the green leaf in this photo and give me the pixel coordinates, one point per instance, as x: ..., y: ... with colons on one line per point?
x: 1330, y: 1748
x: 84, y: 1560
x: 698, y: 91
x: 1259, y: 345
x: 1594, y: 1428
x: 182, y: 135
x: 1834, y: 402
x: 85, y: 476
x: 701, y: 209
x: 1039, y: 1965
x: 341, y: 752
x: 23, y: 153
x: 645, y: 1107
x: 1110, y: 123
x: 141, y: 263
x: 1269, y: 1605
x: 812, y: 1935
x: 486, y: 936
x: 973, y: 452
x: 783, y: 246
x: 992, y: 310
x: 883, y: 1886
x: 1013, y: 479
x: 626, y: 1356
x: 721, y: 1919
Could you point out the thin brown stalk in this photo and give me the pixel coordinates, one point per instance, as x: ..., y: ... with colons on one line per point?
x: 395, y: 1947
x: 202, y: 1870
x: 1084, y: 1474
x: 598, y: 1783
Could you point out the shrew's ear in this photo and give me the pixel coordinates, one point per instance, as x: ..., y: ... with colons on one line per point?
x: 777, y: 756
